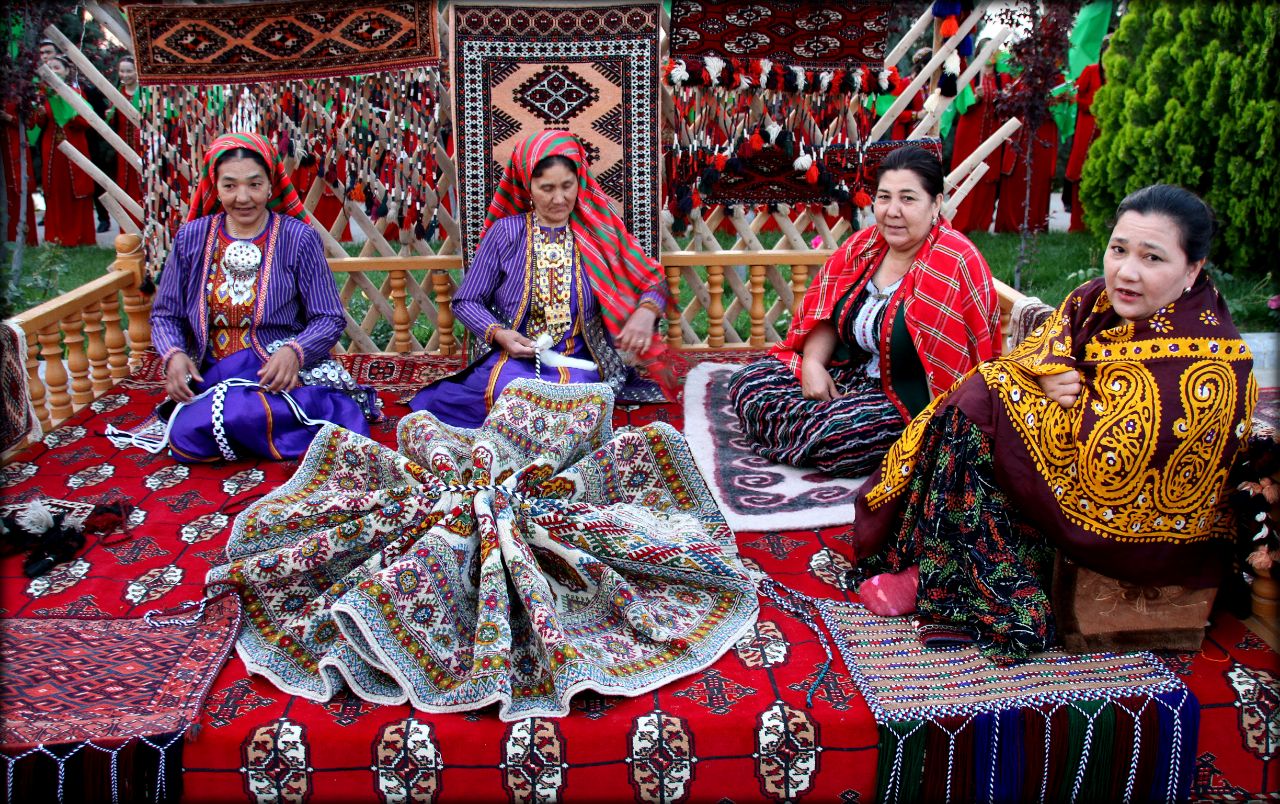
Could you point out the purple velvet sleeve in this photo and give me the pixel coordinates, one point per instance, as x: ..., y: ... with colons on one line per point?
x: 170, y: 327
x: 318, y: 293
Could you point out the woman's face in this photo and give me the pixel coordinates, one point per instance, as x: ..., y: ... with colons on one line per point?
x: 58, y: 67
x: 127, y: 72
x: 554, y: 194
x: 243, y: 189
x: 1145, y: 267
x: 904, y: 210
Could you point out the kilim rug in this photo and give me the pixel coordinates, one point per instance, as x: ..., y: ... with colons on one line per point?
x: 590, y: 68
x: 954, y: 726
x: 228, y: 43
x: 17, y: 419
x: 78, y: 688
x: 814, y: 33
x: 754, y: 493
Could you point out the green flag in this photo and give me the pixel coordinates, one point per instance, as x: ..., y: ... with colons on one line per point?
x: 1086, y: 36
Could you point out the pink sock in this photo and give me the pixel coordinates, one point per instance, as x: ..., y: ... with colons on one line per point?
x: 891, y: 594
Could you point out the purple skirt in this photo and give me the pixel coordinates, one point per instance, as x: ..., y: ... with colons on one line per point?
x: 240, y: 421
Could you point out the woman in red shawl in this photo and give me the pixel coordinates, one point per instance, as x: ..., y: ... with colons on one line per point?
x: 556, y: 287
x: 899, y: 313
x: 68, y: 190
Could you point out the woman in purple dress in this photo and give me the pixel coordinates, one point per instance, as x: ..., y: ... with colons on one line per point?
x: 556, y: 287
x: 244, y: 319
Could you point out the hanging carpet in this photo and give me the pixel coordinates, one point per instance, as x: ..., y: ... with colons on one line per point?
x: 799, y: 32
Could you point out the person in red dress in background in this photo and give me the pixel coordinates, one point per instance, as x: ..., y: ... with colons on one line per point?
x: 10, y: 142
x: 68, y: 190
x: 1038, y: 151
x: 1091, y: 78
x: 914, y: 109
x: 129, y: 179
x: 973, y: 128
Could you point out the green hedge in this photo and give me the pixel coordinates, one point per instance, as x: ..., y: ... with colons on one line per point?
x: 1191, y: 99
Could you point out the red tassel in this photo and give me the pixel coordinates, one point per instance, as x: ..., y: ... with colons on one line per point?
x: 697, y: 199
x: 811, y: 175
x: 757, y: 142
x: 949, y: 27
x: 862, y: 199
x: 721, y: 161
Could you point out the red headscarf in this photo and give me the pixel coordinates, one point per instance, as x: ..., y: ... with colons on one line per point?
x: 284, y: 199
x: 617, y: 267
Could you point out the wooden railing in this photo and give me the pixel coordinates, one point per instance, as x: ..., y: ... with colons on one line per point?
x: 79, y: 346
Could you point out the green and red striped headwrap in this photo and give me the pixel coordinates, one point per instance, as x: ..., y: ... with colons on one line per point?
x: 284, y: 198
x: 617, y: 267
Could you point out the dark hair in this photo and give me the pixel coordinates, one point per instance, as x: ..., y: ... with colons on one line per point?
x: 917, y: 160
x: 555, y: 159
x: 240, y: 153
x: 1193, y: 217
x: 129, y: 59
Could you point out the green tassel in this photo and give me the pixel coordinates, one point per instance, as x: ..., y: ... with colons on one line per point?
x: 1097, y: 780
x: 1079, y: 714
x: 905, y: 738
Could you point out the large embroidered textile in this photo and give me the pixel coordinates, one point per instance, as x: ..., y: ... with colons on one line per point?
x: 590, y: 68
x: 1130, y: 480
x: 520, y: 563
x: 18, y: 421
x: 799, y: 32
x: 183, y: 44
x: 954, y: 727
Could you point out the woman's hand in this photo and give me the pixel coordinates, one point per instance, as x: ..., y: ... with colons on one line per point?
x: 513, y: 343
x: 638, y: 331
x: 816, y: 382
x: 281, y: 371
x: 1062, y: 388
x: 177, y: 374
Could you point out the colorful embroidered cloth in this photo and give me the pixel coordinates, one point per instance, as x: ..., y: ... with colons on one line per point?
x: 250, y: 42
x: 520, y: 563
x: 952, y: 311
x: 954, y: 727
x: 591, y: 68
x: 1130, y: 480
x: 800, y: 32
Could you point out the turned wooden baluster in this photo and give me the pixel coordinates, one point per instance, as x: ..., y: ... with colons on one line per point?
x: 77, y: 360
x: 136, y: 305
x: 95, y: 348
x: 55, y: 374
x: 757, y: 305
x: 675, y: 333
x: 36, y: 385
x: 715, y: 310
x: 444, y: 311
x: 799, y: 281
x: 400, y: 320
x: 113, y: 337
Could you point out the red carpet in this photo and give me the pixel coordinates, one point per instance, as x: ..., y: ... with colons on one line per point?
x: 737, y: 731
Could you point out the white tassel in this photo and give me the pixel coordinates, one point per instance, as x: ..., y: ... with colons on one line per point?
x: 803, y: 162
x: 883, y: 78
x: 799, y: 73
x: 932, y: 103
x: 952, y: 64
x: 824, y: 80
x: 679, y: 73
x: 715, y: 65
x: 772, y: 129
x: 36, y: 519
x: 744, y: 80
x: 766, y: 67
x: 857, y: 81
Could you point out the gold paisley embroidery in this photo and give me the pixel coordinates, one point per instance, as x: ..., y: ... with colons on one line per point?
x: 900, y: 461
x: 1197, y: 467
x: 1122, y: 440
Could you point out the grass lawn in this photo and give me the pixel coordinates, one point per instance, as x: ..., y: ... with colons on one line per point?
x: 1058, y: 262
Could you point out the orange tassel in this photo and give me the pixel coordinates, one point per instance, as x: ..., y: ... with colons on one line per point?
x: 949, y: 27
x: 757, y: 142
x: 862, y: 199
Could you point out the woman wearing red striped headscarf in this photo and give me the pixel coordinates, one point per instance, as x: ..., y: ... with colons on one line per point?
x: 557, y: 288
x: 245, y: 318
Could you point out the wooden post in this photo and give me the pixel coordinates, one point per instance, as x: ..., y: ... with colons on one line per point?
x: 35, y: 385
x: 930, y: 118
x: 136, y: 305
x: 799, y: 282
x: 113, y: 336
x: 757, y: 305
x: 400, y: 342
x: 909, y: 38
x: 55, y: 374
x: 96, y: 348
x: 104, y: 181
x: 715, y: 310
x: 77, y: 360
x: 674, y: 335
x: 444, y: 311
x: 957, y: 197
x: 982, y: 152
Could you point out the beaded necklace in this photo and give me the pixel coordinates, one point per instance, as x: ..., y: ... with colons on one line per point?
x: 553, y: 258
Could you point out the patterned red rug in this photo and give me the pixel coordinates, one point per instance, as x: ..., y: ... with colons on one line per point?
x: 252, y: 42
x: 739, y: 730
x: 801, y: 32
x: 590, y: 68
